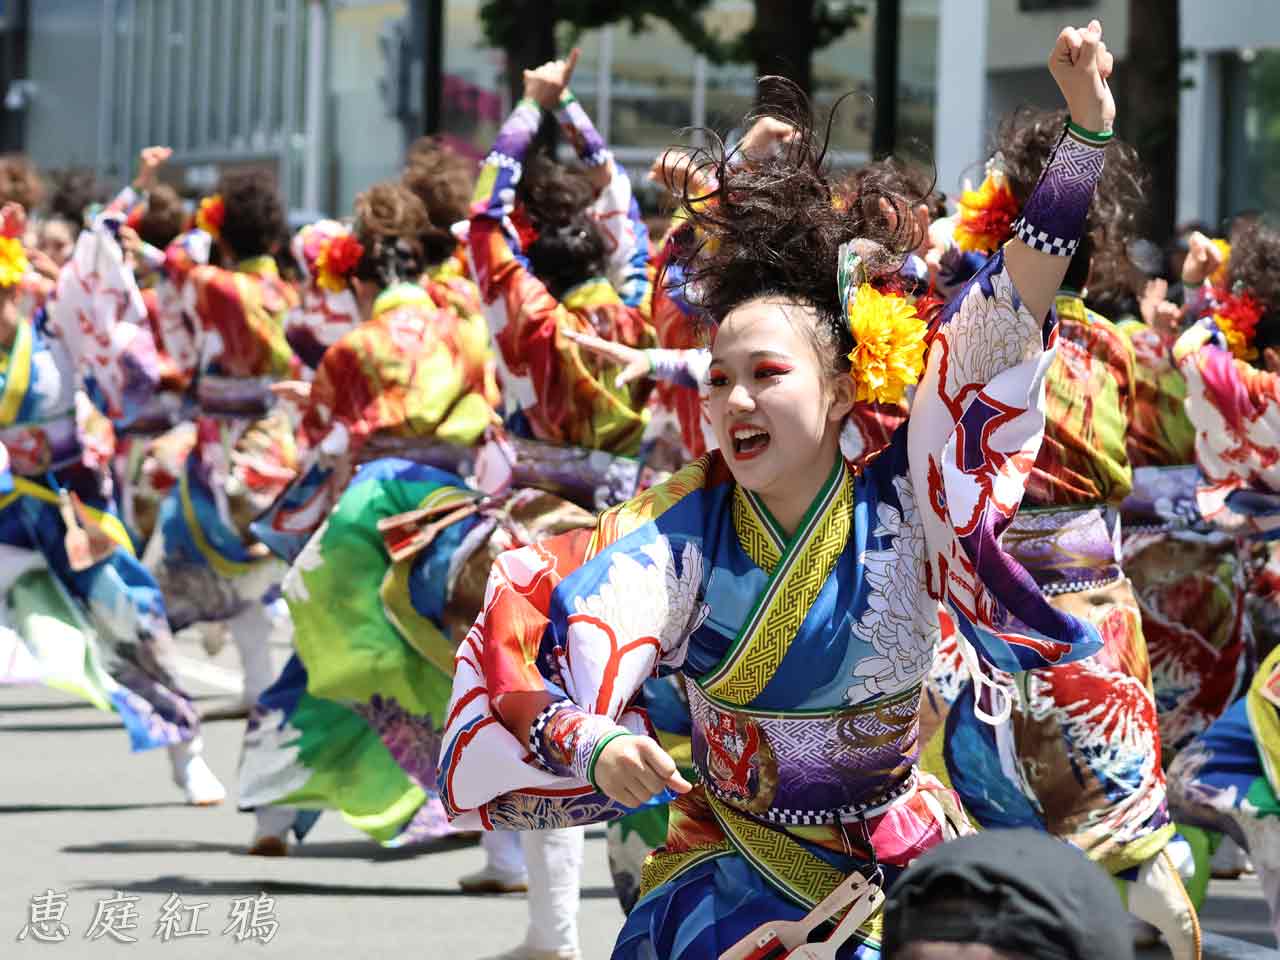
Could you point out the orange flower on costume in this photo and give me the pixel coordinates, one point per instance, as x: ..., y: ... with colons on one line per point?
x: 211, y: 215
x: 889, y: 344
x: 986, y: 215
x: 338, y: 259
x: 1237, y: 316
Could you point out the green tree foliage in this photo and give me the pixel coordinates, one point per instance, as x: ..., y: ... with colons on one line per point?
x: 782, y: 38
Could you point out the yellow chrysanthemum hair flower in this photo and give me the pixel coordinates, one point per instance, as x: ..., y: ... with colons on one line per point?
x: 13, y: 261
x: 888, y: 336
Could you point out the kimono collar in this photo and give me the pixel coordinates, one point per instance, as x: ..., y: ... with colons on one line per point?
x: 261, y: 266
x: 1070, y: 305
x: 444, y: 270
x: 15, y: 369
x: 398, y: 296
x: 762, y: 537
x: 591, y: 293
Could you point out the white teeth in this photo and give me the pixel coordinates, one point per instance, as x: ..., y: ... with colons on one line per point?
x: 746, y: 433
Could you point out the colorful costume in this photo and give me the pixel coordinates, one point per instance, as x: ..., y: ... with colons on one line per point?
x: 1188, y: 579
x: 552, y: 390
x: 1227, y: 778
x: 244, y: 454
x: 800, y: 784
x: 1080, y: 755
x: 98, y: 627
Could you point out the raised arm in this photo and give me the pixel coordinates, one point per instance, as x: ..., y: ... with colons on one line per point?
x: 977, y: 419
x: 1048, y: 232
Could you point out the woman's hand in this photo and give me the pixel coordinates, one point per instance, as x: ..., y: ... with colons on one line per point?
x: 1204, y: 258
x: 150, y: 160
x: 1081, y: 65
x: 634, y: 363
x: 676, y: 172
x: 547, y: 83
x: 297, y: 392
x: 766, y: 135
x: 43, y: 264
x: 633, y: 769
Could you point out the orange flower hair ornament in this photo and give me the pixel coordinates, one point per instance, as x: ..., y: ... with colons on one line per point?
x: 338, y: 259
x: 13, y: 258
x: 211, y: 215
x: 987, y: 214
x: 889, y: 337
x: 1237, y: 314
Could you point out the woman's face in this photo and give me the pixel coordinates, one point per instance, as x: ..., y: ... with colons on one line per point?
x: 775, y: 410
x: 56, y: 241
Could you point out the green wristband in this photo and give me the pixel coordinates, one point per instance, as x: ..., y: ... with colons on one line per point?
x: 595, y: 754
x: 1091, y: 137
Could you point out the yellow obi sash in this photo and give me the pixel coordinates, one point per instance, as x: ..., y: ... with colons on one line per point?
x: 111, y: 526
x: 783, y: 861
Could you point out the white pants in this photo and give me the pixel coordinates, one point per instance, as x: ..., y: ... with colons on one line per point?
x: 553, y: 860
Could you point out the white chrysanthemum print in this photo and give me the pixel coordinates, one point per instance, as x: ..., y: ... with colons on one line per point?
x: 638, y: 600
x: 294, y: 586
x: 901, y: 620
x: 989, y: 336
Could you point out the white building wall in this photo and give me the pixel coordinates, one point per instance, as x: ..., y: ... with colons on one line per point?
x: 960, y: 118
x: 1211, y: 30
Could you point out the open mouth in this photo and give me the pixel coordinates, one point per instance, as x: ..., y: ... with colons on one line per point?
x: 749, y: 442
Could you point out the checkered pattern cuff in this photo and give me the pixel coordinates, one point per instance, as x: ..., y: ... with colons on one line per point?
x: 564, y: 739
x: 1053, y: 219
x: 1043, y: 241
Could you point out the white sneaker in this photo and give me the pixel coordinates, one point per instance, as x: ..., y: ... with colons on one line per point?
x: 491, y: 880
x: 199, y: 784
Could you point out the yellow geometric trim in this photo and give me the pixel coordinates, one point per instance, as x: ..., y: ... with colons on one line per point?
x: 18, y: 367
x: 793, y: 587
x: 222, y: 565
x: 795, y: 872
x: 662, y: 867
x: 753, y: 531
x: 110, y: 525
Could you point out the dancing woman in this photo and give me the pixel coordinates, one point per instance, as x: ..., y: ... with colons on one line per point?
x: 797, y: 596
x: 202, y: 553
x: 57, y: 503
x: 1080, y: 754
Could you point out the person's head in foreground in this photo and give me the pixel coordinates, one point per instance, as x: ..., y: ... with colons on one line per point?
x: 1005, y: 895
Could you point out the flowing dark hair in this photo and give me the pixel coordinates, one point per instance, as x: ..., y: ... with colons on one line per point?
x: 773, y: 225
x: 569, y: 247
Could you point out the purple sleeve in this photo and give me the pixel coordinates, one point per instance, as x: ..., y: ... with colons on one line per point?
x: 579, y: 128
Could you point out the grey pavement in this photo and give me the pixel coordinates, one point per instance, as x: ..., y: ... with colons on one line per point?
x: 80, y: 816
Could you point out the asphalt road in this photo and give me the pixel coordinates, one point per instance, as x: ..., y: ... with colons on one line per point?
x: 83, y: 821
